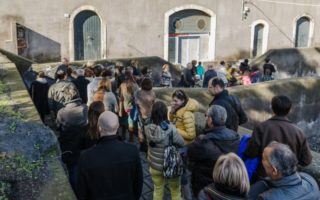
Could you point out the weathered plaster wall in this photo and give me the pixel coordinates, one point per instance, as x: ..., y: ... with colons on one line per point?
x: 136, y: 28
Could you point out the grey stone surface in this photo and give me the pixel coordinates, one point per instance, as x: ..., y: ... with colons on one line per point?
x: 29, y: 155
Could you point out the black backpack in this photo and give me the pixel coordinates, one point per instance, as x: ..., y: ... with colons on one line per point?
x: 172, y: 163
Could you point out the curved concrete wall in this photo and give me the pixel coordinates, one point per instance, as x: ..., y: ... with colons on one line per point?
x: 256, y: 100
x: 292, y: 62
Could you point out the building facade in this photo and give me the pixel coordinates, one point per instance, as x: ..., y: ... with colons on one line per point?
x: 176, y: 30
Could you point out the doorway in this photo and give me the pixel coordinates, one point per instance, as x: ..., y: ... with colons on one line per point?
x: 87, y: 36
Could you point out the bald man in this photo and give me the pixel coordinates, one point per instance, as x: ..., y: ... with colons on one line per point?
x: 111, y: 169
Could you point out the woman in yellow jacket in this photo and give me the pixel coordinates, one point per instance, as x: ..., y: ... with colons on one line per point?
x: 181, y: 114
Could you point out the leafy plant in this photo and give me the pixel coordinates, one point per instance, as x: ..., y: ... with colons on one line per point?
x: 13, y: 127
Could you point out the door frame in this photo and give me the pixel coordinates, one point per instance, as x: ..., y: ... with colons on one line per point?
x: 103, y: 49
x: 212, y: 37
x: 179, y: 47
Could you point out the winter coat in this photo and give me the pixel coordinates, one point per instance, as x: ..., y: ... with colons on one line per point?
x: 235, y: 114
x: 108, y: 99
x: 126, y: 97
x: 92, y: 87
x: 255, y: 76
x: 39, y: 95
x: 222, y: 74
x: 245, y: 80
x: 61, y: 93
x: 158, y: 139
x: 72, y: 125
x: 268, y: 67
x: 296, y: 186
x: 205, y: 151
x: 144, y: 99
x: 200, y: 70
x: 110, y: 170
x: 185, y: 121
x: 81, y: 83
x: 244, y: 67
x: 209, y: 74
x: 278, y: 129
x: 165, y: 79
x: 220, y: 192
x: 188, y: 78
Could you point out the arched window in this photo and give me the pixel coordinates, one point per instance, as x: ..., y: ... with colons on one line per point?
x: 302, y: 32
x: 258, y: 40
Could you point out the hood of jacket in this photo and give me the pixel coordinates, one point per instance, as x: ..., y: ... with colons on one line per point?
x: 191, y: 106
x: 226, y: 139
x: 296, y: 186
x: 42, y: 80
x: 157, y: 134
x: 223, y: 94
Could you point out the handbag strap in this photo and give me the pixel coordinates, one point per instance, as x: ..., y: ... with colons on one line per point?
x: 171, y: 138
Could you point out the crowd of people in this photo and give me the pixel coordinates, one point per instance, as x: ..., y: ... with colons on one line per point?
x: 95, y: 109
x: 196, y: 75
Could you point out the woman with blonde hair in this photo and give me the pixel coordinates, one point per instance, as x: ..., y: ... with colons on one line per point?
x: 106, y: 96
x: 127, y: 89
x: 230, y: 178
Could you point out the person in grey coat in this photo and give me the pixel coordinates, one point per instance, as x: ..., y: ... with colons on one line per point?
x: 61, y: 93
x: 72, y: 125
x: 157, y: 135
x: 283, y: 181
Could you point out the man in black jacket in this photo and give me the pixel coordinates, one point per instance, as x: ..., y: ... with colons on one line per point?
x: 235, y: 113
x: 188, y: 76
x: 206, y: 149
x: 81, y: 83
x: 111, y: 169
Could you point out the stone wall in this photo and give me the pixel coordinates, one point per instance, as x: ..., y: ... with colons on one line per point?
x: 30, y: 163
